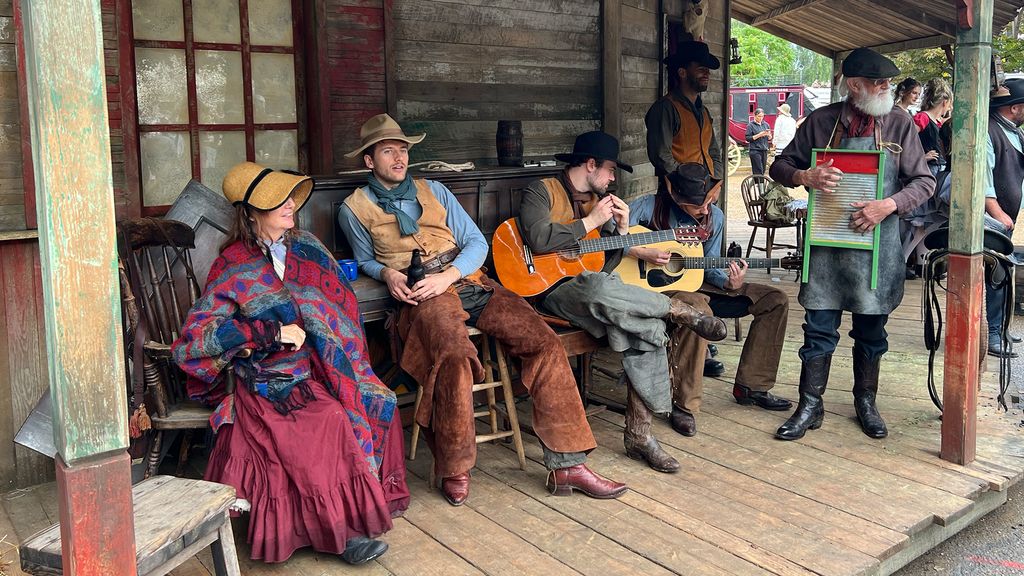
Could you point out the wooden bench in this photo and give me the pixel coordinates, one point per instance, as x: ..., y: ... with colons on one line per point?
x: 175, y: 518
x: 490, y: 196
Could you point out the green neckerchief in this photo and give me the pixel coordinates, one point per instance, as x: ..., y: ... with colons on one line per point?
x: 388, y: 201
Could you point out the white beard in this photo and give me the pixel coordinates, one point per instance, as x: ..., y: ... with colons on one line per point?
x: 876, y: 106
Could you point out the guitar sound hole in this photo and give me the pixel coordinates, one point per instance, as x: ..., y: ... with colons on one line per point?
x: 674, y: 266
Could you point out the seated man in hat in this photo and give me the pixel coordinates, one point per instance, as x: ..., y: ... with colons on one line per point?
x: 689, y: 200
x: 840, y: 279
x: 1004, y: 187
x: 385, y: 221
x: 555, y: 214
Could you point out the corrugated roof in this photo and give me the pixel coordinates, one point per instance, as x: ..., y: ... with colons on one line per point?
x: 831, y: 26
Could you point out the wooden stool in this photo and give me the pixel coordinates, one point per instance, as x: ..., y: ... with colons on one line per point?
x: 175, y: 518
x: 504, y: 382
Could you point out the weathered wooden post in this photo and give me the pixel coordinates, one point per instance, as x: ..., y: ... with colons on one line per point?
x: 71, y: 154
x: 967, y: 204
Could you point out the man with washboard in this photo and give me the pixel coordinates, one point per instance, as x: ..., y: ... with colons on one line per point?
x: 839, y: 279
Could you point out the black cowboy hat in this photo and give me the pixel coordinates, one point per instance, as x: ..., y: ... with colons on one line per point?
x: 692, y: 51
x: 994, y: 241
x: 597, y: 145
x: 691, y: 183
x: 1013, y: 94
x: 866, y: 63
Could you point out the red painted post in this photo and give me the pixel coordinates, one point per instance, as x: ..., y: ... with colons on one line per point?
x: 64, y: 71
x: 93, y: 515
x: 960, y: 376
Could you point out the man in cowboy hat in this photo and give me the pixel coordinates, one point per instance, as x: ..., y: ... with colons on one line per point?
x: 839, y: 279
x: 690, y: 201
x: 680, y: 130
x: 1004, y: 187
x: 385, y: 221
x: 555, y: 214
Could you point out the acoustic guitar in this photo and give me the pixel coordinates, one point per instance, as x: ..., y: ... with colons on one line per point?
x: 528, y: 274
x: 685, y: 269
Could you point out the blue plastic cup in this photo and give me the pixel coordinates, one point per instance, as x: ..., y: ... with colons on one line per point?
x: 350, y: 268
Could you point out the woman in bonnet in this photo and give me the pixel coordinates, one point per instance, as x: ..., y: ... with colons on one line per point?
x: 310, y: 438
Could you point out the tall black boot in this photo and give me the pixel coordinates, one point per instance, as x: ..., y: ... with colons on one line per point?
x: 810, y: 412
x: 865, y: 388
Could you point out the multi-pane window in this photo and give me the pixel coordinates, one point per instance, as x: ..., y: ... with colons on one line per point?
x: 215, y: 85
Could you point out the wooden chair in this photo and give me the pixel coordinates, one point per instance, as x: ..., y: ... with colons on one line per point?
x: 499, y: 365
x: 753, y: 188
x: 159, y: 287
x: 175, y: 518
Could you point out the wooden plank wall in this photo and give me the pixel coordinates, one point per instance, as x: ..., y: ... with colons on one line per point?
x: 12, y: 190
x: 462, y: 65
x: 640, y: 70
x: 356, y: 71
x: 23, y: 370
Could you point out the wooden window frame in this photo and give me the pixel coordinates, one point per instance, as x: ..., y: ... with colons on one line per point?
x: 130, y: 125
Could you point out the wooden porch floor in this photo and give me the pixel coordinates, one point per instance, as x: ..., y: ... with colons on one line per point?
x: 835, y: 502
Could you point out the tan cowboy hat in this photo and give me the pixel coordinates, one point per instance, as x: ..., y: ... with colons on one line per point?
x: 265, y: 189
x: 784, y: 109
x: 379, y: 128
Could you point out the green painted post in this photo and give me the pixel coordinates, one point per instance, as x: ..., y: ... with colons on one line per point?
x: 966, y: 295
x: 71, y: 156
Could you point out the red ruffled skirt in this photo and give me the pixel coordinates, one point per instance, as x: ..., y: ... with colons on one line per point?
x: 305, y: 477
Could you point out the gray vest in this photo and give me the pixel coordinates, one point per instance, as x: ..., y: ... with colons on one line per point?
x: 1009, y: 170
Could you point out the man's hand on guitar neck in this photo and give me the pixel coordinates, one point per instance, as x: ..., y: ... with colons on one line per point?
x: 737, y: 275
x: 650, y: 255
x: 611, y: 206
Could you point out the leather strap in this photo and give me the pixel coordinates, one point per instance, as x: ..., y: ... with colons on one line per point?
x: 439, y: 262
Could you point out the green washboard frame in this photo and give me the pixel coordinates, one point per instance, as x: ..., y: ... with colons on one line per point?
x: 857, y: 166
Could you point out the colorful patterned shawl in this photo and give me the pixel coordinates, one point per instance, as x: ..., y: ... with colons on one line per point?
x: 242, y: 308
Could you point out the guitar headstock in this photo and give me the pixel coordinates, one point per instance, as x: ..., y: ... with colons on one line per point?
x: 792, y: 262
x: 691, y: 234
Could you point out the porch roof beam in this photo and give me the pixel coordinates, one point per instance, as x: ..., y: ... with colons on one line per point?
x: 914, y: 12
x: 786, y: 35
x: 795, y: 5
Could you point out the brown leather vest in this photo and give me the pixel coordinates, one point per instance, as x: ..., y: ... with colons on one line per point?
x: 561, y: 205
x: 692, y: 143
x: 389, y: 246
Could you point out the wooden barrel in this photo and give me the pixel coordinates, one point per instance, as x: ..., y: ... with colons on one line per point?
x: 509, y: 142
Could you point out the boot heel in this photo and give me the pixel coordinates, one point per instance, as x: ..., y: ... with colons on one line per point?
x: 816, y: 424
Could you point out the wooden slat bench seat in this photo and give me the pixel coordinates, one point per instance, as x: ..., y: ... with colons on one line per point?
x: 175, y: 518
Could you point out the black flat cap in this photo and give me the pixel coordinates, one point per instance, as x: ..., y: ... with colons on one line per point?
x: 866, y: 63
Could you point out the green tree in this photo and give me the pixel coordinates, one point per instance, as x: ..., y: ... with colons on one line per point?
x: 1011, y: 51
x: 769, y: 60
x: 923, y: 64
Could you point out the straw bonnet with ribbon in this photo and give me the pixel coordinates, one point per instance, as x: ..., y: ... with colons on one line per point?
x: 379, y: 128
x: 265, y: 189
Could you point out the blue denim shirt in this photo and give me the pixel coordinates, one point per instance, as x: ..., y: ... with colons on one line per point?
x: 641, y: 211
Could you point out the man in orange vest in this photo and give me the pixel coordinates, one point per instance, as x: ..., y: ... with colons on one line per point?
x: 385, y: 221
x: 680, y: 133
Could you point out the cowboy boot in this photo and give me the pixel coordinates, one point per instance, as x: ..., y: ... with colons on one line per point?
x: 810, y: 412
x: 639, y: 442
x: 707, y: 327
x: 865, y: 388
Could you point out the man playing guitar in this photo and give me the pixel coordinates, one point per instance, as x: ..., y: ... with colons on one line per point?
x: 687, y: 198
x: 554, y: 215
